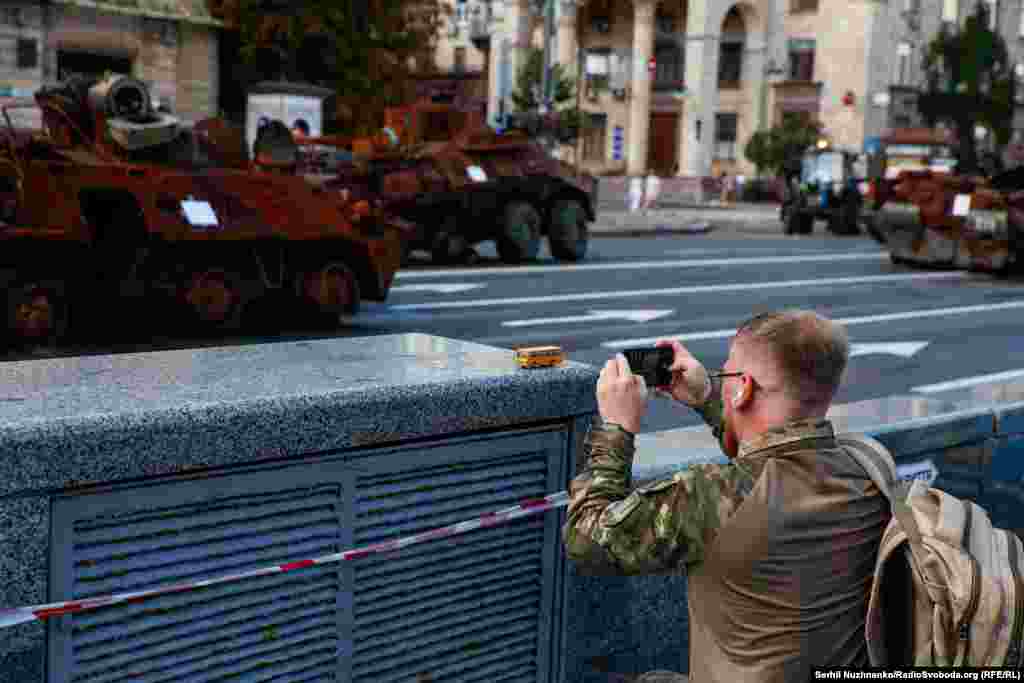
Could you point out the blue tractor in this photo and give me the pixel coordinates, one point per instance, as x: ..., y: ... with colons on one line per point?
x: 826, y: 185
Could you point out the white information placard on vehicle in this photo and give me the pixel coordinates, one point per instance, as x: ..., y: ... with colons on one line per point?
x: 962, y: 205
x: 199, y: 214
x: 476, y: 174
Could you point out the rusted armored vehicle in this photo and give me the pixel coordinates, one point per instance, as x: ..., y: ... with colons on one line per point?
x: 110, y: 208
x: 960, y: 222
x: 905, y: 155
x: 479, y: 185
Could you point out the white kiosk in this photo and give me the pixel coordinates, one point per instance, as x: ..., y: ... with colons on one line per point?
x: 285, y: 101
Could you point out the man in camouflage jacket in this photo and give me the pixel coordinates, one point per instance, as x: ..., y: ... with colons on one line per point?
x: 779, y: 544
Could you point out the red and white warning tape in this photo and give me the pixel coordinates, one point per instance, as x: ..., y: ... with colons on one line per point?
x: 20, y: 615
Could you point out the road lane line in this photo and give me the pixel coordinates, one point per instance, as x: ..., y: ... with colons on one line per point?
x: 968, y: 382
x: 859, y: 320
x: 695, y: 289
x: 640, y: 265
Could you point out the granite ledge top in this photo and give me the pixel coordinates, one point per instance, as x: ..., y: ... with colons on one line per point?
x: 104, y: 418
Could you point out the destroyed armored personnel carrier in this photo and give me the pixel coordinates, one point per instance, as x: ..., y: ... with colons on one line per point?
x: 111, y: 209
x: 961, y: 222
x: 479, y: 185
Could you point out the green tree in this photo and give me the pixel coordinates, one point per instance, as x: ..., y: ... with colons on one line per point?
x: 774, y: 149
x: 526, y: 96
x: 970, y: 82
x: 369, y: 52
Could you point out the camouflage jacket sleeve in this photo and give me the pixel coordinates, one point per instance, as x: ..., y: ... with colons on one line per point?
x: 656, y: 528
x: 712, y: 412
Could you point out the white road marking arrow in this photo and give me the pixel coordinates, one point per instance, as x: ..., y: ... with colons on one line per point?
x: 641, y: 316
x: 905, y: 349
x: 439, y: 288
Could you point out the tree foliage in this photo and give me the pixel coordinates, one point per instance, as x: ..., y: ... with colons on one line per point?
x: 371, y: 63
x: 775, y: 149
x: 526, y: 97
x: 969, y: 82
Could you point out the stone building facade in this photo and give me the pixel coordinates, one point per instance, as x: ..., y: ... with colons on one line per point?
x: 172, y: 46
x: 677, y: 87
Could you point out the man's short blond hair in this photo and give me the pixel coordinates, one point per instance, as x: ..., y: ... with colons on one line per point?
x: 809, y: 350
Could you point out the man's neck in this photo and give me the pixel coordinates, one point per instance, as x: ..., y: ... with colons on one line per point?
x: 762, y: 423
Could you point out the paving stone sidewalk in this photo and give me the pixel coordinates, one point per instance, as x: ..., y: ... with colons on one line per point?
x: 749, y: 218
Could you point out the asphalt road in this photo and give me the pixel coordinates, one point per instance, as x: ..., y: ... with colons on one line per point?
x: 701, y: 287
x: 631, y: 290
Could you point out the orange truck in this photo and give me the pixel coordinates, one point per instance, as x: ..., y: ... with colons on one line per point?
x: 110, y: 210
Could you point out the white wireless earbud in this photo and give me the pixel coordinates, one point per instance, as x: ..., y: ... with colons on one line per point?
x: 736, y: 398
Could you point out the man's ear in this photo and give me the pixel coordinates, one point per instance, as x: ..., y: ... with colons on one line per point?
x: 742, y: 393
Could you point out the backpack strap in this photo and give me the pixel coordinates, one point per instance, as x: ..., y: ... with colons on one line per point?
x: 876, y: 461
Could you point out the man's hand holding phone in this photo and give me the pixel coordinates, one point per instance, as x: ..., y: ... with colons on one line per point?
x: 689, y: 382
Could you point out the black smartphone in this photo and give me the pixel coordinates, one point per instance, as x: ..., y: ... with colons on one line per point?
x: 651, y: 363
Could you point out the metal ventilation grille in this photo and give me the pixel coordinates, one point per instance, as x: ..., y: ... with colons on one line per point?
x: 466, y: 608
x: 278, y: 628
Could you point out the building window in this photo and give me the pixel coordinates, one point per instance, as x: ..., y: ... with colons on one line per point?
x: 902, y: 63
x: 599, y: 72
x: 460, y: 60
x: 594, y: 140
x: 461, y: 10
x: 803, y: 6
x: 668, y: 72
x: 725, y: 136
x: 950, y: 10
x: 665, y: 23
x: 28, y: 53
x: 992, y: 7
x: 730, y: 65
x: 801, y: 60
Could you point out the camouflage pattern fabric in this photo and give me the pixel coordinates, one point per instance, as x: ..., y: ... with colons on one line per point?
x: 664, y: 526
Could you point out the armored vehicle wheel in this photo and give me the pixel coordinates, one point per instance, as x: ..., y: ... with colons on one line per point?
x: 567, y: 233
x: 872, y: 227
x: 330, y: 292
x: 448, y: 248
x: 213, y: 300
x: 844, y: 222
x: 798, y: 223
x: 37, y: 313
x: 520, y: 233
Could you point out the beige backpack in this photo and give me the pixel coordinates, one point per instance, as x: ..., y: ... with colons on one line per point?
x: 948, y: 587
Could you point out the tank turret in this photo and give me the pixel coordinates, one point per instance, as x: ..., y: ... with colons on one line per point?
x: 80, y: 110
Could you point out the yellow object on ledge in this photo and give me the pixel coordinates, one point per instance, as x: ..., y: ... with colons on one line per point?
x: 539, y: 356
